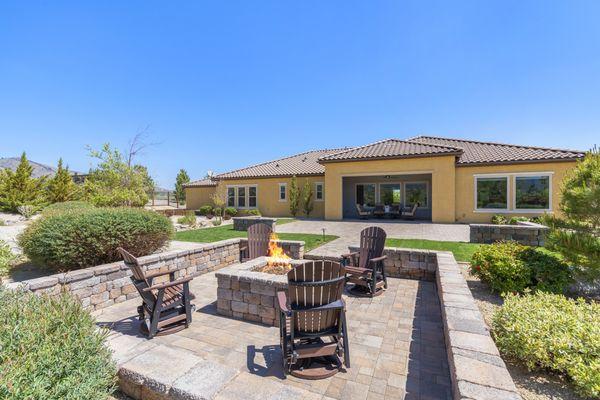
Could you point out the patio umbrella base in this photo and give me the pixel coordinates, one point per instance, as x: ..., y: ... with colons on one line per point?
x: 364, y: 291
x: 316, y: 367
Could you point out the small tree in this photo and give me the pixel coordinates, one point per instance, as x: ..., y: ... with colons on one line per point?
x: 182, y: 178
x: 19, y: 188
x: 576, y: 235
x: 115, y: 182
x: 307, y: 195
x: 219, y: 199
x: 294, y: 196
x: 61, y: 186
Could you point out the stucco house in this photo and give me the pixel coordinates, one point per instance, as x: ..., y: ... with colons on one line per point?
x: 453, y: 180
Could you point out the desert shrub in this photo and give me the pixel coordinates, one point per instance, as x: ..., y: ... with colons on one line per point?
x: 246, y: 213
x: 7, y: 258
x: 499, y: 219
x: 231, y: 211
x: 188, y: 219
x: 549, y: 331
x: 205, y: 210
x: 500, y: 266
x: 51, y: 348
x: 216, y: 222
x: 218, y: 211
x: 511, y: 267
x: 28, y: 210
x: 75, y: 240
x: 66, y: 207
x: 515, y: 220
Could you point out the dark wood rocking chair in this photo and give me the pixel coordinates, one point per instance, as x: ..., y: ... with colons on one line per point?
x: 312, y: 323
x: 166, y: 306
x: 365, y: 268
x: 259, y: 235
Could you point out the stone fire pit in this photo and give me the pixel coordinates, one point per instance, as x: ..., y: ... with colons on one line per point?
x: 245, y: 293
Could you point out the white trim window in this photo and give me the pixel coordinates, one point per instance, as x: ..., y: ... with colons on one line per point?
x: 319, y: 191
x: 282, y: 192
x: 491, y: 193
x: 242, y: 196
x: 533, y: 193
x: 416, y: 192
x: 366, y: 194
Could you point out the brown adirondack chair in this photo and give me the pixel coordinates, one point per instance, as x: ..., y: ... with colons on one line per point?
x: 166, y: 306
x: 365, y: 268
x: 259, y: 235
x: 312, y: 323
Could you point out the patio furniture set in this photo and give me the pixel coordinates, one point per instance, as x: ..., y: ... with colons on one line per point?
x: 387, y: 211
x: 312, y: 312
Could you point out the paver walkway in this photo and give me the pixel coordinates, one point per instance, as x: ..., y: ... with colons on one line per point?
x: 349, y: 232
x: 397, y: 350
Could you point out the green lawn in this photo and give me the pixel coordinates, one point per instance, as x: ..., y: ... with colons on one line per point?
x: 208, y: 235
x: 462, y: 251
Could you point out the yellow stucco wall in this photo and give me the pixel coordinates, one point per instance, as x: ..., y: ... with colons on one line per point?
x: 442, y: 170
x: 267, y: 195
x: 195, y: 197
x: 465, y: 187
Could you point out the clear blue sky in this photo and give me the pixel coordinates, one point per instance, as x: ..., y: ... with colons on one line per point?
x: 226, y: 84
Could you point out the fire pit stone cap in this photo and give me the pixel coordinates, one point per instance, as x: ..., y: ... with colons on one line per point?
x: 245, y: 272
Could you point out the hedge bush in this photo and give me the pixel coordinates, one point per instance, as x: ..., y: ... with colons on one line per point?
x: 67, y: 241
x: 231, y: 211
x: 205, y: 210
x: 68, y: 206
x: 549, y: 331
x: 51, y: 348
x: 511, y: 267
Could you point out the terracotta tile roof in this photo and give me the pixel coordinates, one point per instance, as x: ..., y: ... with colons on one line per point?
x: 302, y: 164
x: 201, y: 183
x: 475, y: 152
x: 391, y: 148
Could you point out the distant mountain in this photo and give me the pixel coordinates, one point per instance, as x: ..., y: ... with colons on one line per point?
x: 38, y: 169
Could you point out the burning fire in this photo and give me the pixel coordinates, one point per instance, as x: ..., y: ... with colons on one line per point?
x: 277, y: 260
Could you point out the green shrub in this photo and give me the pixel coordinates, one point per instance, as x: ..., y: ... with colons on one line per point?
x: 218, y: 211
x: 76, y: 240
x: 231, y: 211
x: 67, y: 206
x: 549, y: 331
x: 205, y: 210
x: 515, y: 220
x: 511, y: 267
x: 500, y: 267
x: 216, y: 222
x: 246, y: 213
x: 499, y: 219
x: 188, y: 219
x: 51, y: 348
x: 7, y: 258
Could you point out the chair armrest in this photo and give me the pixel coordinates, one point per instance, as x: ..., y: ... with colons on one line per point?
x: 377, y: 259
x: 282, y: 301
x: 348, y: 255
x: 154, y: 274
x: 243, y: 248
x: 168, y: 284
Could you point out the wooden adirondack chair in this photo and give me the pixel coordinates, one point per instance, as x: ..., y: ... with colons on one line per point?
x: 312, y: 323
x: 259, y: 235
x: 364, y: 268
x: 165, y: 306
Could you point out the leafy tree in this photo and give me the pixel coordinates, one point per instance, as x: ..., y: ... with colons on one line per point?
x: 149, y: 184
x: 61, y: 186
x: 576, y: 235
x: 307, y: 195
x: 115, y: 182
x: 219, y: 198
x: 294, y: 196
x: 182, y: 178
x: 19, y: 188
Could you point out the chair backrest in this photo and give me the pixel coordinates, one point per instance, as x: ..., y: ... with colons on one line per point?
x: 379, y: 207
x: 138, y: 277
x: 395, y: 207
x: 313, y: 284
x: 259, y: 235
x: 413, y: 209
x: 372, y: 242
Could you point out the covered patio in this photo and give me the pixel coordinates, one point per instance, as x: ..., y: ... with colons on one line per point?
x: 401, y: 190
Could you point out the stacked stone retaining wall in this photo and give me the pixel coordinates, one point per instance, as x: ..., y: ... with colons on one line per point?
x: 243, y: 223
x: 527, y: 234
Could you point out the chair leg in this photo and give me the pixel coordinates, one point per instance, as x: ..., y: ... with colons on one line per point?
x: 156, y: 314
x: 345, y: 340
x: 188, y: 306
x: 383, y: 275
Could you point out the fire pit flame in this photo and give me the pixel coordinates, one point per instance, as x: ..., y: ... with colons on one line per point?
x: 278, y: 261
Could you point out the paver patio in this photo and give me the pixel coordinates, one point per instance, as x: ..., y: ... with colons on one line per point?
x: 349, y: 232
x: 396, y: 345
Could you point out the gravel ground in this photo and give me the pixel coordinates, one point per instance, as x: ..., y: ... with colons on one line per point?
x: 531, y: 385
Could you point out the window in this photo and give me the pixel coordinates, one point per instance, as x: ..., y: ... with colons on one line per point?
x: 365, y: 194
x: 252, y: 196
x: 389, y: 193
x: 416, y: 192
x: 532, y: 192
x: 230, y: 197
x: 282, y: 192
x: 319, y: 191
x: 491, y: 193
x: 241, y: 195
